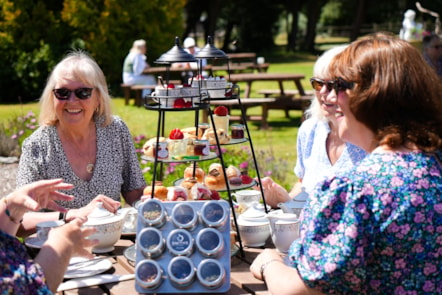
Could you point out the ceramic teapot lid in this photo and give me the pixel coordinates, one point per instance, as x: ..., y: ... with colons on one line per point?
x: 301, y: 197
x: 254, y: 214
x: 101, y: 215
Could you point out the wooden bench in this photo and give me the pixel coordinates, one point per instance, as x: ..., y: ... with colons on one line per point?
x: 247, y: 59
x: 290, y: 100
x: 126, y: 92
x: 245, y: 103
x: 277, y: 92
x: 138, y: 89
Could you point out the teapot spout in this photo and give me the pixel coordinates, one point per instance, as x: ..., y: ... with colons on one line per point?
x: 285, y: 207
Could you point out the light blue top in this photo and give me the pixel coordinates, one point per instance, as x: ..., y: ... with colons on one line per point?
x: 313, y: 164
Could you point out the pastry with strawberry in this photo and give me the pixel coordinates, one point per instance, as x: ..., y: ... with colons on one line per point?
x: 176, y: 143
x: 221, y: 118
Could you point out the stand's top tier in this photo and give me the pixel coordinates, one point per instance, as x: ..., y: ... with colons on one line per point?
x: 176, y: 54
x: 210, y: 51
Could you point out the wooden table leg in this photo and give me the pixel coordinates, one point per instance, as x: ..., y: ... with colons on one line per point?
x: 265, y: 113
x: 248, y: 89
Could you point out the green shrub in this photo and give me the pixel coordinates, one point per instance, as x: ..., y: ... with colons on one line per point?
x: 14, y: 132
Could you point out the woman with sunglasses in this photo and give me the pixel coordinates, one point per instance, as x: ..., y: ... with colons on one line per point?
x: 80, y: 141
x: 320, y: 150
x: 378, y: 229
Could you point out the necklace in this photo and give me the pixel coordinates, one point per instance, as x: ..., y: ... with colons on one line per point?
x: 85, y: 154
x: 90, y: 168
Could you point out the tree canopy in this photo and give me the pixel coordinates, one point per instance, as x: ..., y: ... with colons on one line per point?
x: 35, y: 35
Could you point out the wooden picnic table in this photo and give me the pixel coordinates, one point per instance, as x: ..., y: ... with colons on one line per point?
x: 292, y: 100
x: 241, y: 280
x: 249, y: 78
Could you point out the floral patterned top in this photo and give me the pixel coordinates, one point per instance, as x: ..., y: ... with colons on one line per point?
x: 376, y: 231
x: 116, y: 168
x: 18, y: 273
x: 313, y: 164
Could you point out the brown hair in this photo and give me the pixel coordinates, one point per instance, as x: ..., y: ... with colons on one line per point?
x: 396, y: 94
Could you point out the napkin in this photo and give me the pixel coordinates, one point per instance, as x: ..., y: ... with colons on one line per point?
x: 93, y: 281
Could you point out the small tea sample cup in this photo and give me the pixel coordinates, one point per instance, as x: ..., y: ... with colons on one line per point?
x: 181, y: 271
x: 44, y: 227
x: 151, y: 242
x: 213, y: 214
x: 211, y: 273
x: 184, y: 216
x: 209, y: 242
x: 148, y: 274
x: 153, y: 213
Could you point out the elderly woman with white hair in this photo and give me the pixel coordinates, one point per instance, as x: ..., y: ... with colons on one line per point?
x: 82, y: 142
x: 134, y: 65
x: 320, y: 150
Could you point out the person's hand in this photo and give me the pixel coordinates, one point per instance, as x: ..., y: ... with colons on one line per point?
x: 109, y: 204
x: 266, y: 256
x: 74, y: 236
x: 37, y: 195
x: 273, y: 192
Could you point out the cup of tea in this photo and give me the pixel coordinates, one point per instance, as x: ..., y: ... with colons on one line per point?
x: 246, y: 198
x: 44, y: 227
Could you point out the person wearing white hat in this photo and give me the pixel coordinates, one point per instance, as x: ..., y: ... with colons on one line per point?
x: 134, y: 65
x: 189, y: 45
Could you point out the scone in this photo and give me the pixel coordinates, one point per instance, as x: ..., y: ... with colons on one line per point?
x: 160, y: 192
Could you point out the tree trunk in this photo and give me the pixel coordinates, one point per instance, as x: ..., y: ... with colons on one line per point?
x: 358, y: 20
x: 313, y: 14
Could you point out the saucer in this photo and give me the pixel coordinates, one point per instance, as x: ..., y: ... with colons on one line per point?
x: 130, y: 253
x: 34, y: 242
x: 88, y: 270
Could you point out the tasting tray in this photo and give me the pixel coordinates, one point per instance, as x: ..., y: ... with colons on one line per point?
x: 170, y: 229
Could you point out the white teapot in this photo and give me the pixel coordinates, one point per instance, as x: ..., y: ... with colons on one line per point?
x: 109, y: 227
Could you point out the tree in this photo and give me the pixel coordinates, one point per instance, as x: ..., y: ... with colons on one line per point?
x: 36, y: 35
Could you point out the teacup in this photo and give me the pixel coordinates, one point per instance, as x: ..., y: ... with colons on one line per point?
x: 162, y: 99
x: 246, y: 198
x: 44, y: 227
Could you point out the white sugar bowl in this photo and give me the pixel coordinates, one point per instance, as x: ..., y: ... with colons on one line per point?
x: 254, y: 229
x: 109, y: 227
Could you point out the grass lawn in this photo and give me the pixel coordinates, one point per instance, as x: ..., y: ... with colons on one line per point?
x: 278, y: 141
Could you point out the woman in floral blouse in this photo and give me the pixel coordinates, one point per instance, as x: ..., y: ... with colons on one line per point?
x: 19, y: 274
x: 377, y: 230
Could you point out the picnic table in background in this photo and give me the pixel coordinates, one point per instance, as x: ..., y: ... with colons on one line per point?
x: 295, y: 99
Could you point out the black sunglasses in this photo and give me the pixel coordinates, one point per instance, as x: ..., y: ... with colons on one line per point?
x: 64, y: 93
x: 342, y: 85
x: 317, y: 84
x: 437, y: 46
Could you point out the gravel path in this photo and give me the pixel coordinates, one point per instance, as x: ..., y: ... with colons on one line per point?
x: 7, y: 176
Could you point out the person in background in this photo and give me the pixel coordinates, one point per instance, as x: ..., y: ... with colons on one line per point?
x: 320, y: 150
x: 19, y: 274
x: 432, y: 51
x: 80, y: 141
x: 189, y: 45
x: 377, y: 229
x: 134, y: 65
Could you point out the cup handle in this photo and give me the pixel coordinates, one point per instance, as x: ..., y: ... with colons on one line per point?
x: 40, y: 235
x: 153, y: 94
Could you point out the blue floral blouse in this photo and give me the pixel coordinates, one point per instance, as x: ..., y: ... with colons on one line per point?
x: 313, y: 164
x: 18, y: 273
x: 376, y: 231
